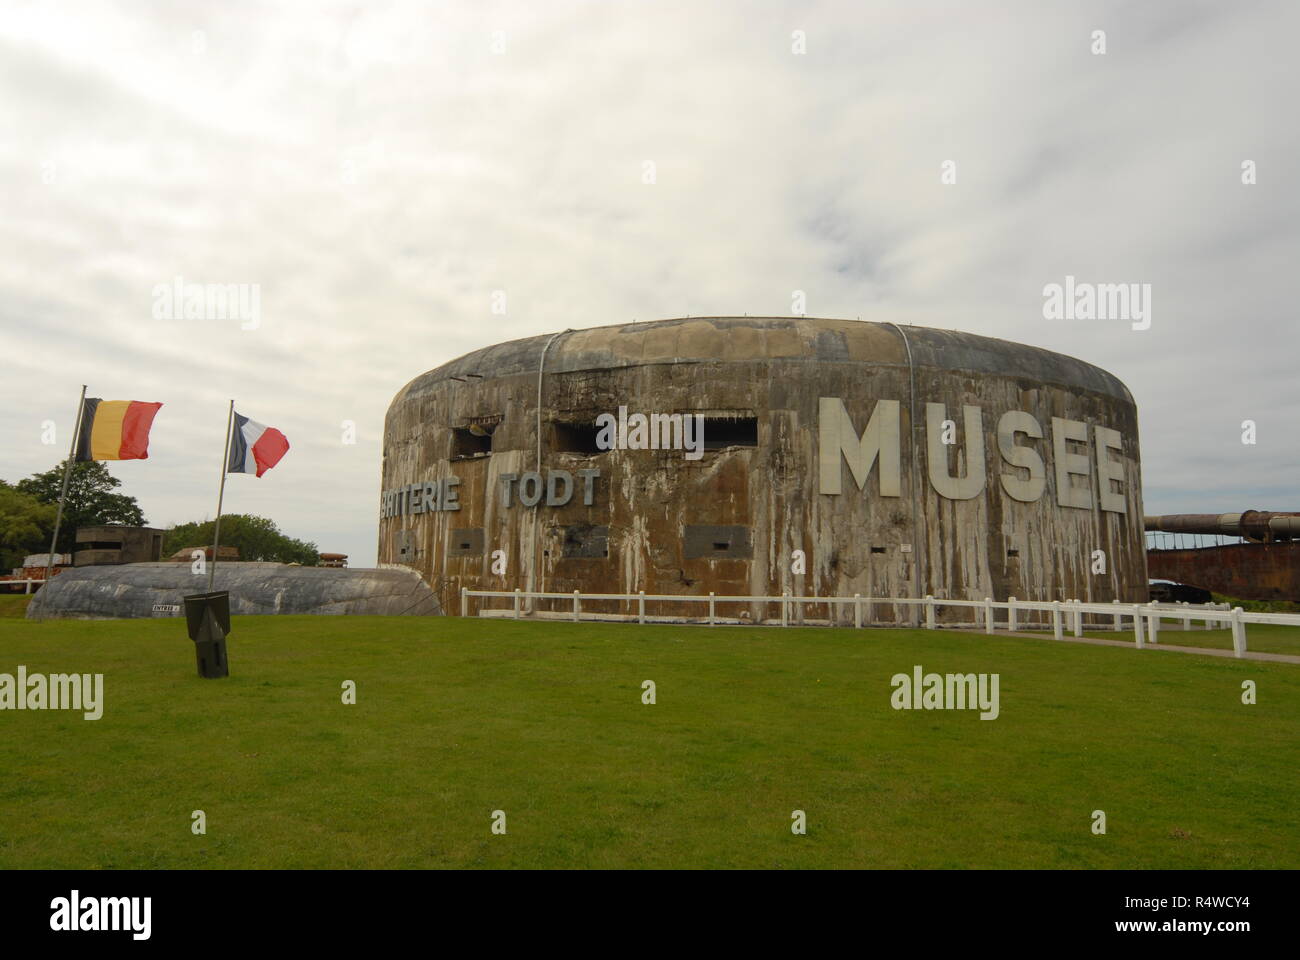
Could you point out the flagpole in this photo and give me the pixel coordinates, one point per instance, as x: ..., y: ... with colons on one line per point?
x: 67, y: 475
x: 221, y: 493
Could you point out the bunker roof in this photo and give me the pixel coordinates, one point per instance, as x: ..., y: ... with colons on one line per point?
x: 745, y: 339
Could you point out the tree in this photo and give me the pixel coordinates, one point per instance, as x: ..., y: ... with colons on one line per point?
x: 25, y: 526
x: 90, y: 500
x: 256, y: 537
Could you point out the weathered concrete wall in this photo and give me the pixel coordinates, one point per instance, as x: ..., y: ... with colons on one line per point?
x: 131, y: 590
x: 132, y: 545
x: 776, y: 370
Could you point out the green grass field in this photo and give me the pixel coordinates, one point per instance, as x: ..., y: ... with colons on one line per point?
x: 14, y: 605
x: 457, y: 718
x: 1260, y: 637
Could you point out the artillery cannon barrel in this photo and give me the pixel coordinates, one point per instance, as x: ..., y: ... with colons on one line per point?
x: 1259, y: 525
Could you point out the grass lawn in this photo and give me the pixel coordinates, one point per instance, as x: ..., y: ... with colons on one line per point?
x: 14, y: 605
x: 1260, y: 637
x: 457, y: 718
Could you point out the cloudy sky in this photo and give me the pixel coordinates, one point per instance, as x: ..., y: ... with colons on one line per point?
x: 379, y: 170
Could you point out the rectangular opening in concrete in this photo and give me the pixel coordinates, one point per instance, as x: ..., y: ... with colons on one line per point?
x: 586, y: 541
x: 710, y: 541
x: 575, y: 436
x: 467, y: 443
x: 721, y: 432
x: 405, y: 545
x: 877, y: 549
x: 466, y: 543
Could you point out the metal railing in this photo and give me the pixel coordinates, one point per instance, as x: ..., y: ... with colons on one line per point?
x: 1146, y: 617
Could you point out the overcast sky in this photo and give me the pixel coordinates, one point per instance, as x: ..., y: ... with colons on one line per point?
x: 379, y: 170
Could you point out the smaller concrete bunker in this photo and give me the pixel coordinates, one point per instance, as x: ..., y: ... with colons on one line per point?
x: 158, y: 589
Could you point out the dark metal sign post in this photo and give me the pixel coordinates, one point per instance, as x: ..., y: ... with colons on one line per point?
x: 207, y: 615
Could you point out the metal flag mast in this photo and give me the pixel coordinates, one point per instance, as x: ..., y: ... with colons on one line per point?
x: 67, y: 475
x: 221, y: 493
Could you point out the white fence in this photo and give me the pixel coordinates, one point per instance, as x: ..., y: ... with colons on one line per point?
x: 1145, y: 617
x: 14, y: 583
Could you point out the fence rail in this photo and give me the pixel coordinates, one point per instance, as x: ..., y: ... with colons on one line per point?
x: 14, y: 583
x: 1146, y: 617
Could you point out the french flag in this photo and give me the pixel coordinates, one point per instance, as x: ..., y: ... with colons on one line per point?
x: 255, y: 447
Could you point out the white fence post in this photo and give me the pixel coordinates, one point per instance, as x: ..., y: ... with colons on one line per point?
x: 1238, y: 633
x: 1144, y: 633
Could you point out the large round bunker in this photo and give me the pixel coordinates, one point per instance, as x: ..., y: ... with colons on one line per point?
x: 838, y: 457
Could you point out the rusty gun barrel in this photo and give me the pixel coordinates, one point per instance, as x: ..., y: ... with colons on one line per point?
x: 1259, y: 525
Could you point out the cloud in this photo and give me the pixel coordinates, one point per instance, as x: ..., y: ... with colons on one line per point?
x: 380, y: 171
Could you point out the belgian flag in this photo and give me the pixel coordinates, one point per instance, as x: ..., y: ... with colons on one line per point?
x: 115, y: 429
